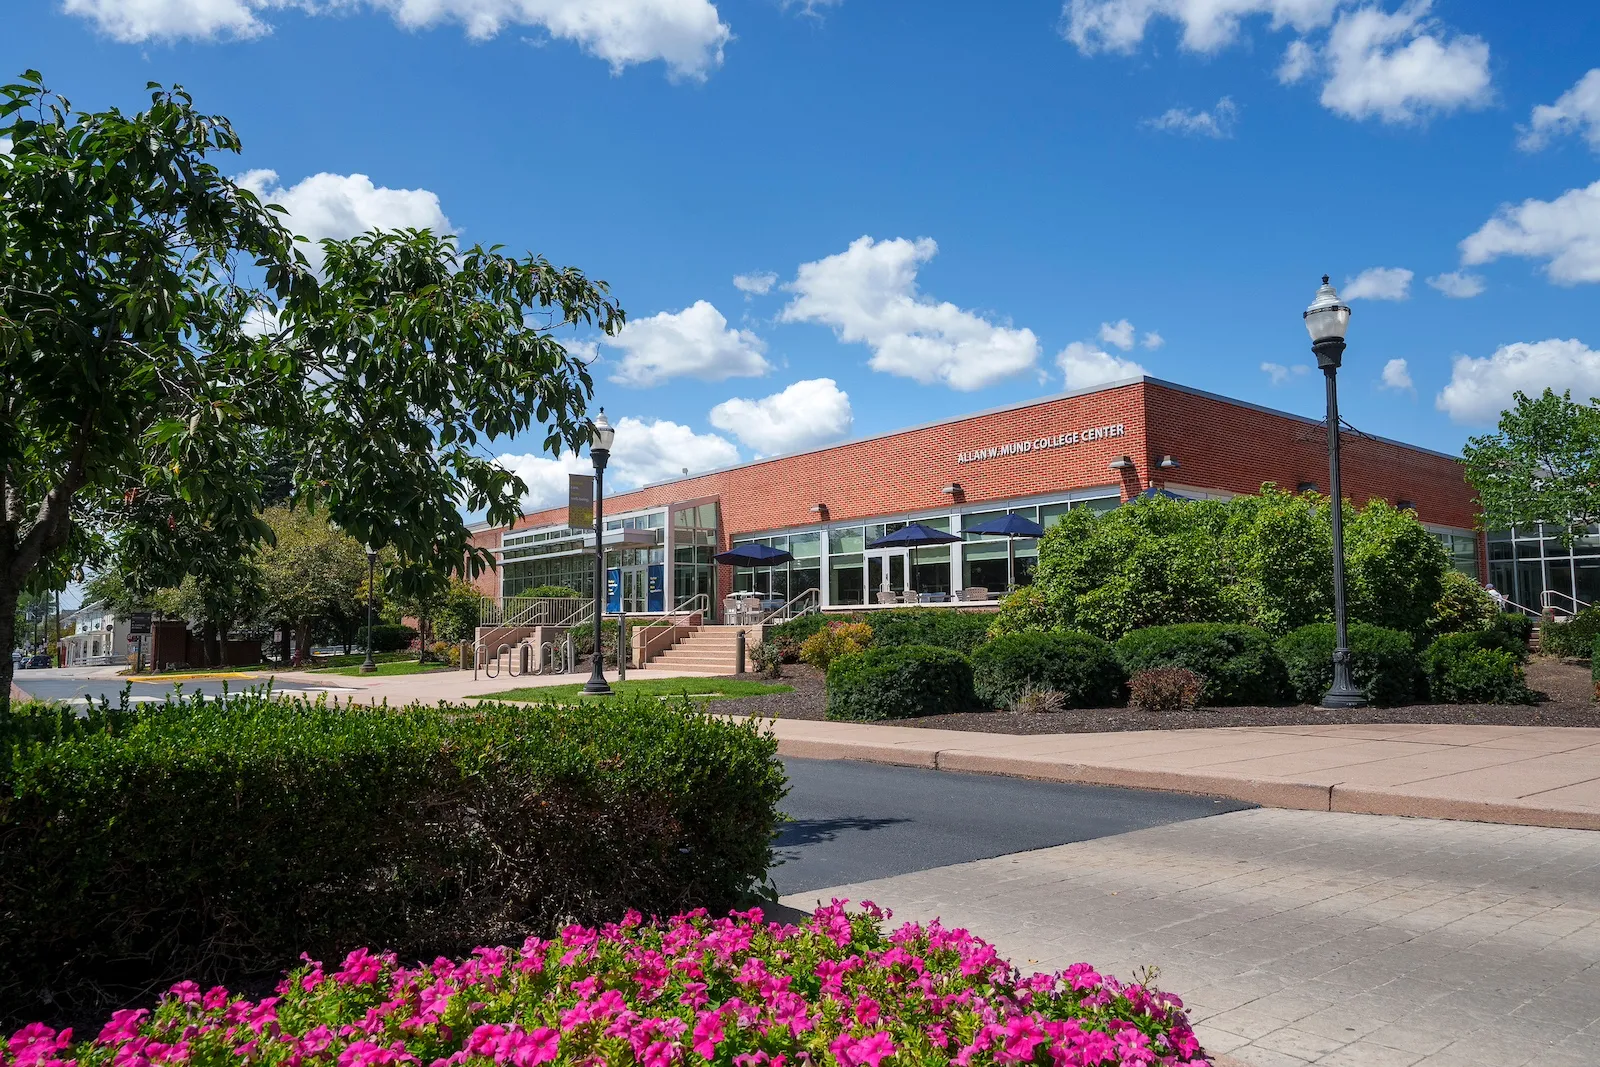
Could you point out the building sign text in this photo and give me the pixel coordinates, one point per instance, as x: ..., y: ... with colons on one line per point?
x: 1039, y: 444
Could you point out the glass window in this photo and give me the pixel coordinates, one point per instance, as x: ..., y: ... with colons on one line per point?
x: 804, y: 575
x: 806, y: 545
x: 847, y: 582
x: 1050, y: 514
x: 988, y: 573
x: 846, y: 539
x: 1104, y: 503
x: 1030, y: 513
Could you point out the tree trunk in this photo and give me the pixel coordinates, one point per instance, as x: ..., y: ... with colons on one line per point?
x: 8, y: 641
x: 283, y: 643
x: 218, y: 634
x: 302, y: 642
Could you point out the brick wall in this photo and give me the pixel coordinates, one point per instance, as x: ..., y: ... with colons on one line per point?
x: 1218, y: 444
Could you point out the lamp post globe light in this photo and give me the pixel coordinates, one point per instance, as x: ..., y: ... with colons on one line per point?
x: 601, y: 434
x: 1327, y: 321
x: 370, y: 665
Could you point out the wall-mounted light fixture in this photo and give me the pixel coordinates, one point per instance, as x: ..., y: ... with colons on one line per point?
x: 952, y: 489
x: 820, y: 509
x: 1122, y: 463
x: 1168, y: 463
x: 1406, y: 505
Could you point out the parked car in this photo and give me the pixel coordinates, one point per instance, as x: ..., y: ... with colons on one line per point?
x: 35, y: 662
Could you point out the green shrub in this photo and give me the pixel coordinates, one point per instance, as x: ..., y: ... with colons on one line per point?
x: 1463, y: 605
x: 554, y: 591
x: 787, y: 637
x: 961, y: 631
x: 1238, y: 663
x: 1594, y: 668
x: 1516, y: 624
x: 205, y: 839
x: 1572, y: 638
x: 1383, y: 663
x: 836, y: 639
x: 387, y: 637
x: 1083, y: 669
x: 1475, y: 668
x: 899, y: 683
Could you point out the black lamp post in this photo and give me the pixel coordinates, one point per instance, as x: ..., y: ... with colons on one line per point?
x: 370, y: 665
x: 1327, y: 321
x: 600, y: 438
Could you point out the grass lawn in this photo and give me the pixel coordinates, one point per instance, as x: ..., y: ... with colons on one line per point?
x: 405, y: 666
x: 710, y: 688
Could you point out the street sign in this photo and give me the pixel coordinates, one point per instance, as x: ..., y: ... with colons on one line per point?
x: 580, y: 501
x: 36, y: 612
x: 139, y: 622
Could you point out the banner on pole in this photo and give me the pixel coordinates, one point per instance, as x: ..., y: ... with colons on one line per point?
x: 580, y: 501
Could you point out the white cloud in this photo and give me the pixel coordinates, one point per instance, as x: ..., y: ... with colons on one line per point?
x: 1400, y: 67
x: 1379, y: 283
x: 1208, y: 25
x: 807, y: 413
x: 868, y: 294
x: 343, y: 205
x: 1153, y: 340
x: 1479, y: 389
x: 1565, y: 231
x: 696, y: 342
x: 1397, y: 375
x: 1086, y: 366
x: 687, y: 35
x: 642, y: 452
x: 1217, y: 123
x: 5, y: 146
x: 756, y: 283
x: 1299, y: 60
x: 1278, y: 373
x: 1119, y: 334
x: 1576, y: 111
x: 1458, y: 284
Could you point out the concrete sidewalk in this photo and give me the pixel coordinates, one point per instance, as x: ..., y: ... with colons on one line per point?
x: 1529, y: 776
x: 434, y: 686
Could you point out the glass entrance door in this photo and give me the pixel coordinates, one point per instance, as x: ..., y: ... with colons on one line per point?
x: 886, y: 573
x: 635, y: 589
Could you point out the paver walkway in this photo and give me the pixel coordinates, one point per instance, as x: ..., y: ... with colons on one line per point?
x: 1533, y: 776
x: 1301, y: 937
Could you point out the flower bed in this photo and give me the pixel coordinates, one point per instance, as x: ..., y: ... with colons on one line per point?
x: 733, y: 991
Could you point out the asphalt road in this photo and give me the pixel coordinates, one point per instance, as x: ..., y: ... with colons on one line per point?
x: 54, y: 685
x: 856, y: 821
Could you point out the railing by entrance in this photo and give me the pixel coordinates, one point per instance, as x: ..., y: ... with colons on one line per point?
x: 534, y: 611
x: 806, y: 603
x: 1556, y: 602
x: 1512, y: 605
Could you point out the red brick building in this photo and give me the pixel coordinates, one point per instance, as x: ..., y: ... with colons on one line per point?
x: 1093, y: 448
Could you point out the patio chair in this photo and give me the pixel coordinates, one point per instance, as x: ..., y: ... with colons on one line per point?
x: 911, y: 596
x: 975, y: 592
x: 887, y: 596
x: 730, y: 611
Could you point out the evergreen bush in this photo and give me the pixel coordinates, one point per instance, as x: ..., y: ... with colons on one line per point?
x: 1516, y: 624
x: 208, y: 839
x: 899, y: 683
x: 387, y: 637
x: 557, y: 592
x: 1476, y: 668
x: 1080, y: 667
x: 838, y: 638
x: 1574, y: 637
x: 961, y: 631
x: 1238, y: 663
x: 1383, y: 663
x: 1463, y: 605
x: 787, y: 637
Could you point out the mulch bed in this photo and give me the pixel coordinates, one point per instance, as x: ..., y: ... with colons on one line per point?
x: 1566, y: 686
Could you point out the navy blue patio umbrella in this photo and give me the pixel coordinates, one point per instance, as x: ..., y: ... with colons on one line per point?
x: 1154, y: 493
x: 913, y: 535
x: 1010, y: 526
x: 753, y: 556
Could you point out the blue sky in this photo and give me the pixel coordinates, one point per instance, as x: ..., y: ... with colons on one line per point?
x: 934, y: 207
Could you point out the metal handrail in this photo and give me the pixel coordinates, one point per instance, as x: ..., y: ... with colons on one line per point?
x: 1508, y: 602
x: 1548, y: 595
x: 814, y: 598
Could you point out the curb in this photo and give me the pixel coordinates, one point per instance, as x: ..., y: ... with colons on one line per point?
x: 1269, y: 793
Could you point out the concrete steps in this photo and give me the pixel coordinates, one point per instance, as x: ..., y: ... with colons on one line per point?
x: 708, y: 650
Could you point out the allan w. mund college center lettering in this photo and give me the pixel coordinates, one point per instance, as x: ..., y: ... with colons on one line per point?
x: 1037, y: 444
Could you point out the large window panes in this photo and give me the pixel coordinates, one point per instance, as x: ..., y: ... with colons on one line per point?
x: 694, y: 543
x: 847, y: 579
x: 806, y: 570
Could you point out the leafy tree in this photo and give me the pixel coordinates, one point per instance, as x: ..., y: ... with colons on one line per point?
x: 1282, y: 550
x: 1541, y: 465
x: 310, y: 570
x: 458, y: 615
x: 1394, y: 568
x: 1463, y: 606
x: 130, y: 266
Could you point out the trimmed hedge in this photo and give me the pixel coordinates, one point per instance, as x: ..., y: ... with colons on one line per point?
x: 1476, y: 668
x: 899, y: 683
x: 1516, y: 624
x: 1383, y: 663
x: 202, y: 839
x: 387, y: 637
x: 1082, y: 668
x: 1238, y: 663
x: 961, y: 631
x: 1572, y: 638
